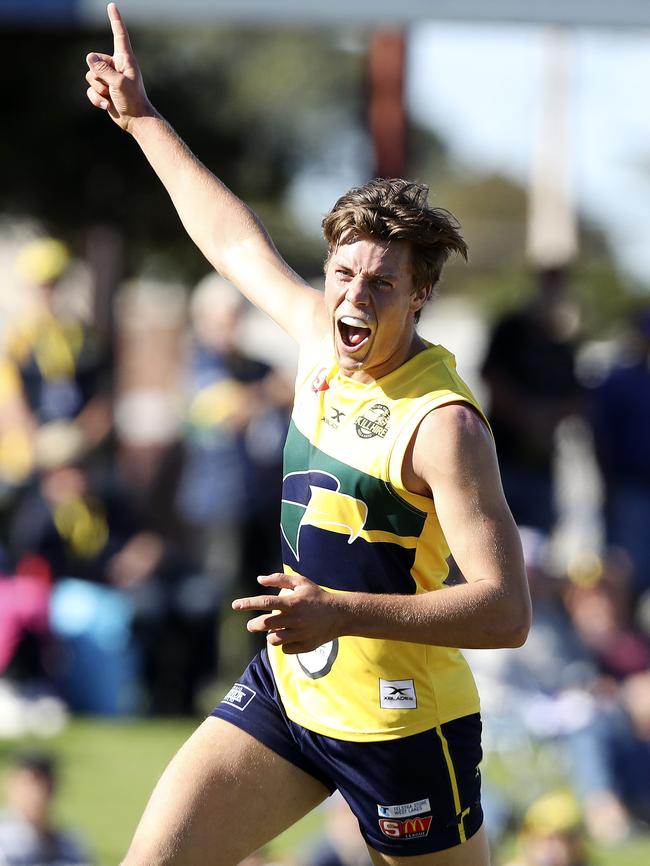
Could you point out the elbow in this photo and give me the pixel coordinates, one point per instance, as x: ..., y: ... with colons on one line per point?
x: 508, y: 631
x: 517, y: 637
x: 517, y: 625
x: 509, y: 622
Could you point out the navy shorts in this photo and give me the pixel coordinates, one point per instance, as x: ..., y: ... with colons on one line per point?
x: 413, y: 795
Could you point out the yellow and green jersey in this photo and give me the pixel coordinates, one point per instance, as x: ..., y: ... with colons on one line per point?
x: 350, y: 525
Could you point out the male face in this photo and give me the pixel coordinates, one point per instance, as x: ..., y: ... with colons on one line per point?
x: 29, y: 793
x: 371, y: 304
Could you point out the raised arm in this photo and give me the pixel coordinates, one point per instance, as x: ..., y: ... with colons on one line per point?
x: 453, y: 458
x: 226, y: 230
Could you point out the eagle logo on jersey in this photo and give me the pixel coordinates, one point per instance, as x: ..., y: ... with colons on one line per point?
x: 314, y: 498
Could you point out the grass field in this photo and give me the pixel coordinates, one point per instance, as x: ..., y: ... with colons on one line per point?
x: 109, y: 768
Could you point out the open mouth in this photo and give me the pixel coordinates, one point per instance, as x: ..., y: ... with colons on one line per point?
x: 354, y: 332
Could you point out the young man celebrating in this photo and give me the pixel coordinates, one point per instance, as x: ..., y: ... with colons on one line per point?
x: 389, y: 467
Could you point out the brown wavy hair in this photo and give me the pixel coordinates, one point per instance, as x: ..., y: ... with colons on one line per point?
x: 397, y: 209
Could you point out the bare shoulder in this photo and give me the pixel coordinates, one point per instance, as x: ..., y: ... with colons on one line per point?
x: 453, y: 438
x: 454, y: 420
x: 451, y: 442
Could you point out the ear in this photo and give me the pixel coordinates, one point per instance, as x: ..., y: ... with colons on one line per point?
x: 419, y: 297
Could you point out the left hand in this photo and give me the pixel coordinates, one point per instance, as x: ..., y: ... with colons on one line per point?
x: 300, y: 620
x: 115, y: 81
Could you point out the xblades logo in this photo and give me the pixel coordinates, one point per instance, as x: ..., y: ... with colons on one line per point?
x: 397, y: 694
x: 313, y: 498
x: 334, y: 419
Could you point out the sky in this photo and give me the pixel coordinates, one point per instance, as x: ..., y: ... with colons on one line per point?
x: 480, y: 86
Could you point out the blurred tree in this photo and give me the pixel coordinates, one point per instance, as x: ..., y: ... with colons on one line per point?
x: 254, y: 105
x: 492, y: 211
x: 259, y: 107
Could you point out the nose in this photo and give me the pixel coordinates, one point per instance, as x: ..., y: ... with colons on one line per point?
x: 358, y: 291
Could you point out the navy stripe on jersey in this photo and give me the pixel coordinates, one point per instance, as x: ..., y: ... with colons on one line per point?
x: 331, y: 561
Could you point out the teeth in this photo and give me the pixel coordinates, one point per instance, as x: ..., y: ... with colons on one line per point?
x: 355, y: 323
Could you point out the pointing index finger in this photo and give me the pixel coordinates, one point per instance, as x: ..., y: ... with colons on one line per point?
x: 261, y: 602
x: 121, y: 41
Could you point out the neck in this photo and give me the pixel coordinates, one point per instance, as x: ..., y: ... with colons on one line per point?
x: 366, y: 377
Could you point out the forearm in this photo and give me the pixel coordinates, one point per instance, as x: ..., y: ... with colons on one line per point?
x: 476, y: 615
x: 481, y: 614
x: 225, y: 229
x: 217, y: 220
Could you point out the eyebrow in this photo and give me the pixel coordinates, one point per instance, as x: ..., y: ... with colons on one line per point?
x: 379, y: 275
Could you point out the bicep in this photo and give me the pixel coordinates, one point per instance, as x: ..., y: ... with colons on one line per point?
x: 455, y: 456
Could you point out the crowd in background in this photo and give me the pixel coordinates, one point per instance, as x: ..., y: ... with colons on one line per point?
x: 130, y: 519
x: 582, y: 680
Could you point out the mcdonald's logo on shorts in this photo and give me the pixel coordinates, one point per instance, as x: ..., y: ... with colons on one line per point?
x: 411, y: 828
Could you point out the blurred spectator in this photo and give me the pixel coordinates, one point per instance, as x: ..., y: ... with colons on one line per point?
x: 532, y: 386
x: 28, y: 703
x: 24, y: 627
x: 177, y: 608
x: 81, y: 527
x: 133, y: 618
x: 621, y: 423
x: 28, y: 835
x: 53, y: 369
x: 212, y: 496
x: 142, y: 540
x: 601, y: 608
x: 16, y: 432
x: 230, y: 395
x: 630, y: 751
x: 549, y: 691
x: 599, y: 604
x: 235, y: 425
x: 552, y: 833
x: 86, y: 530
x: 552, y: 662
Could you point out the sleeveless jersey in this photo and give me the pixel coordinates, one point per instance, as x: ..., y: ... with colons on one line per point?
x: 349, y: 524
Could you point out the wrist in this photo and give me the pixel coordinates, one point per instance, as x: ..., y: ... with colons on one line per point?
x: 341, y: 605
x: 139, y: 124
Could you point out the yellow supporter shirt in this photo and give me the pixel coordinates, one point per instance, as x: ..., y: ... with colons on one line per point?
x: 349, y: 524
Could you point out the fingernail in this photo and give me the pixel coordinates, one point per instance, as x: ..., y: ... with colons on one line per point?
x: 93, y: 58
x: 104, y: 104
